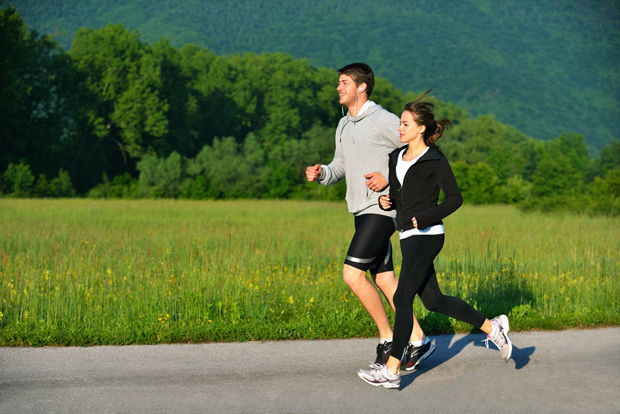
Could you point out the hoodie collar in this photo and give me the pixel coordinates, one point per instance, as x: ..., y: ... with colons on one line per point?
x: 367, y: 109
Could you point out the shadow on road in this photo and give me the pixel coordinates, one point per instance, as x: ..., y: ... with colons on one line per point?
x: 446, y: 350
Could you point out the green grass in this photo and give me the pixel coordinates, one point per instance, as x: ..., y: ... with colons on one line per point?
x: 86, y: 272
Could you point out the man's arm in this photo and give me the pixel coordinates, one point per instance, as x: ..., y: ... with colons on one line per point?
x: 335, y: 171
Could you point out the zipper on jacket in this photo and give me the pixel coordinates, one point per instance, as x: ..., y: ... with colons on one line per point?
x: 397, y: 209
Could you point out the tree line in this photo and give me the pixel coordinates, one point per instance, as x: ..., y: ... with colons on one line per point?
x: 543, y: 67
x: 117, y: 117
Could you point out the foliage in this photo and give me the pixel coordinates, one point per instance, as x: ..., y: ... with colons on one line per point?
x: 186, y: 123
x: 38, y: 98
x: 18, y: 181
x: 543, y: 67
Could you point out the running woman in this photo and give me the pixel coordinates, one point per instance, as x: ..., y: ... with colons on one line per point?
x: 364, y: 138
x: 417, y: 172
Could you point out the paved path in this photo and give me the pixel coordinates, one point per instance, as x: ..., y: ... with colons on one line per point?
x: 575, y: 371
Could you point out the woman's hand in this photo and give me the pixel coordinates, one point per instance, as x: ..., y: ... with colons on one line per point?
x: 415, y: 223
x: 385, y: 202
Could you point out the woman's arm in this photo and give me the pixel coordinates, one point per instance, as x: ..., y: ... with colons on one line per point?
x: 452, y: 201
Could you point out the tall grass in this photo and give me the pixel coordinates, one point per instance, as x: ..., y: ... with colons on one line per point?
x: 84, y: 272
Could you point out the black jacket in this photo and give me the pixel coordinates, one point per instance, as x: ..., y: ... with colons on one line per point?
x: 419, y: 194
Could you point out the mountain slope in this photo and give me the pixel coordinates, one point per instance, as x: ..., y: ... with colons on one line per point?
x: 543, y: 67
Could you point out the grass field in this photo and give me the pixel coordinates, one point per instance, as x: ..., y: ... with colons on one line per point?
x: 86, y: 272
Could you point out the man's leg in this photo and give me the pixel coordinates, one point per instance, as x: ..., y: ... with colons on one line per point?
x: 371, y: 250
x: 369, y: 297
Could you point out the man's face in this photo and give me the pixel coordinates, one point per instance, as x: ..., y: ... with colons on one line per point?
x: 347, y: 90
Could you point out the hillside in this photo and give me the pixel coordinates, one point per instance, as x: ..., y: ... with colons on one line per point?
x: 543, y: 67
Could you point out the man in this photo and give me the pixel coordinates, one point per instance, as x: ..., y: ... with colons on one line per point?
x: 364, y: 138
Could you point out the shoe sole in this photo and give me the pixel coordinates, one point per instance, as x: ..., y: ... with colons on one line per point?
x: 380, y: 384
x: 422, y: 358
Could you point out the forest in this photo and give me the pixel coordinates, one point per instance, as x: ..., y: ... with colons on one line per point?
x: 543, y: 67
x: 117, y: 117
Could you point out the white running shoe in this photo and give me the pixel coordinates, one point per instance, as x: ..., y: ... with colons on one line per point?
x: 380, y: 376
x: 500, y: 339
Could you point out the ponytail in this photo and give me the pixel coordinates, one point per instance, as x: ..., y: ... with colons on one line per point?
x: 440, y: 127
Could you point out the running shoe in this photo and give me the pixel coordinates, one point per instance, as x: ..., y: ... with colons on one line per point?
x: 417, y: 354
x: 500, y: 339
x: 380, y: 377
x: 383, y: 353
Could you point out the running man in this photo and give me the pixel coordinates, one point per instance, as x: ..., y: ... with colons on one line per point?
x: 364, y: 138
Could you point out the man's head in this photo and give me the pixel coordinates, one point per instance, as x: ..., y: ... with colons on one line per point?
x: 361, y: 74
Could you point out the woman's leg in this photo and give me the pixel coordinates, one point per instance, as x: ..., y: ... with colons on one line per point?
x: 418, y: 254
x: 496, y: 330
x: 456, y: 308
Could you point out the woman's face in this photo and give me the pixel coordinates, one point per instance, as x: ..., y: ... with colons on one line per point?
x: 409, y: 129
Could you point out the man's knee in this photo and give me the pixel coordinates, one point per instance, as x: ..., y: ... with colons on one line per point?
x: 385, y: 281
x: 353, y: 276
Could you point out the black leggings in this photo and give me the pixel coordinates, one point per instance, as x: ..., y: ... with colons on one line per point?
x: 417, y: 276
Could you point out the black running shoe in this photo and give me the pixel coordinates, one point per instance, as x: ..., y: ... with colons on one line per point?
x: 417, y: 354
x: 383, y: 353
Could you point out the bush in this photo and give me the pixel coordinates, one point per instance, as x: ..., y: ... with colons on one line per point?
x: 161, y: 177
x: 122, y: 186
x: 18, y: 180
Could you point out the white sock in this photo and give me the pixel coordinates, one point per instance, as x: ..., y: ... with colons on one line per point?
x: 384, y: 340
x: 420, y: 343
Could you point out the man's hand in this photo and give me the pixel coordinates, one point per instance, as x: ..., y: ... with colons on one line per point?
x: 375, y: 181
x: 313, y: 173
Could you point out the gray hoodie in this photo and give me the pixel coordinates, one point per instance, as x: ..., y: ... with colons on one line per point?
x: 363, y: 144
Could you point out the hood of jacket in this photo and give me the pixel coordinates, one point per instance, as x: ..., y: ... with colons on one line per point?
x: 431, y: 154
x: 369, y: 111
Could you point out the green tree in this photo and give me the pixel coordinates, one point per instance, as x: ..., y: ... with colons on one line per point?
x: 61, y: 186
x: 610, y: 156
x: 230, y: 169
x: 605, y: 193
x: 161, y: 177
x: 37, y: 98
x: 124, y: 111
x: 18, y: 180
x: 555, y: 176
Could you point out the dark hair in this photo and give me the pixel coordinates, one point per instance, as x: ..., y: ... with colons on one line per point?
x: 422, y: 112
x: 360, y: 73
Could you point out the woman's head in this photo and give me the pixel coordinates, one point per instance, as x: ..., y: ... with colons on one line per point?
x: 422, y: 113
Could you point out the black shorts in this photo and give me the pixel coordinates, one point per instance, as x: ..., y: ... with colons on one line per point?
x: 371, y: 248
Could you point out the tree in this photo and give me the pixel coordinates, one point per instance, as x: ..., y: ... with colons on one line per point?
x: 161, y: 177
x: 609, y: 158
x: 37, y: 98
x: 125, y: 110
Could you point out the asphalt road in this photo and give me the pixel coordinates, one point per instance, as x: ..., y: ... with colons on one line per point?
x: 575, y: 371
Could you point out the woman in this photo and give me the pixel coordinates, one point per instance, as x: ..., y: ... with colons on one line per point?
x: 417, y: 172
